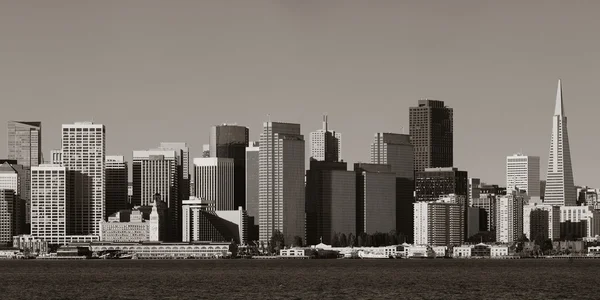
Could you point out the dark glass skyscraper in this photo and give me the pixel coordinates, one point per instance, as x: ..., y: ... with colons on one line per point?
x: 230, y: 141
x: 25, y: 143
x: 431, y: 133
x: 435, y: 182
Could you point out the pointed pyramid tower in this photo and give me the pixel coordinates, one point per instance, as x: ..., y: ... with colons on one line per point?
x: 560, y: 186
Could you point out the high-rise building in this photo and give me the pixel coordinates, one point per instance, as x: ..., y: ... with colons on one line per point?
x: 435, y: 182
x: 375, y: 198
x: 330, y: 201
x: 12, y: 178
x: 84, y: 148
x: 156, y: 177
x: 487, y: 202
x: 579, y: 222
x: 439, y: 223
x: 206, y: 150
x: 474, y: 189
x: 523, y: 172
x: 396, y: 150
x: 201, y: 224
x: 7, y: 215
x: 509, y: 218
x: 281, y: 181
x: 326, y: 144
x: 230, y: 141
x: 25, y: 143
x: 534, y: 214
x: 431, y: 133
x: 49, y: 191
x: 117, y: 176
x: 183, y: 152
x: 560, y: 187
x: 252, y: 181
x: 215, y: 182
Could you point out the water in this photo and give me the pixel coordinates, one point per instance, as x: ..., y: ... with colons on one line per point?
x: 300, y: 279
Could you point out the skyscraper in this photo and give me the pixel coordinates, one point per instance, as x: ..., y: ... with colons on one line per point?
x: 156, y: 175
x: 435, y: 182
x: 509, y: 218
x: 326, y: 144
x: 281, y: 181
x: 117, y: 176
x: 252, y: 181
x: 84, y: 148
x: 330, y: 201
x: 438, y: 223
x: 523, y: 172
x: 375, y: 198
x: 49, y: 194
x: 25, y: 142
x: 183, y: 152
x: 7, y: 215
x: 431, y: 133
x: 560, y: 188
x: 12, y: 178
x: 396, y: 150
x: 214, y: 179
x: 230, y: 141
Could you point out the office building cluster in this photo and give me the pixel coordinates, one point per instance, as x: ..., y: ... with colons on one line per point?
x: 249, y: 191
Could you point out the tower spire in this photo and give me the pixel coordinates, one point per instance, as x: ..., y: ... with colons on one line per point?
x: 559, y: 109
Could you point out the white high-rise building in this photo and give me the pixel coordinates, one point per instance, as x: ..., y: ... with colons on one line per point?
x: 83, y: 154
x: 281, y: 181
x: 560, y: 187
x: 214, y: 181
x: 319, y: 138
x: 439, y: 223
x: 49, y: 202
x: 396, y: 150
x: 509, y: 218
x: 523, y: 172
x: 56, y: 157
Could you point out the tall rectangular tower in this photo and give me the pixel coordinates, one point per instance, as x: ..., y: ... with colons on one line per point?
x: 183, y: 152
x: 281, y: 181
x: 117, y: 176
x: 523, y: 172
x: 560, y: 187
x: 230, y: 141
x: 326, y: 144
x: 214, y: 179
x: 25, y: 142
x: 49, y: 191
x: 84, y: 148
x: 431, y: 133
x: 252, y: 181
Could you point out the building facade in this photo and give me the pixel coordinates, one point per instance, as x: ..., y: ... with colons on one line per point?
x: 84, y: 148
x: 215, y: 181
x: 201, y: 224
x: 431, y: 133
x: 281, y: 181
x: 435, y: 182
x: 12, y: 177
x: 25, y: 143
x: 438, y: 223
x: 252, y: 180
x: 7, y: 215
x: 230, y: 141
x: 131, y: 228
x: 523, y: 173
x: 560, y: 187
x: 330, y: 201
x: 509, y: 218
x: 183, y: 152
x: 117, y: 177
x: 375, y: 198
x: 49, y: 190
x: 531, y: 221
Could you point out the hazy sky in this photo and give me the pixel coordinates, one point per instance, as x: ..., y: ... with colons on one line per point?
x: 155, y: 71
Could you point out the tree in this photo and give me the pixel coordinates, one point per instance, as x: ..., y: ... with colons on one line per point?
x: 343, y: 240
x: 351, y: 240
x: 277, y: 242
x: 335, y: 240
x: 298, y: 241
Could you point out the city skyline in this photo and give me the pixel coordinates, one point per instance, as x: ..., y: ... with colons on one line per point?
x: 512, y: 69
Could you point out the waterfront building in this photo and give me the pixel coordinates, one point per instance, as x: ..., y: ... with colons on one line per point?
x: 167, y: 250
x: 215, y: 181
x: 83, y: 148
x: 200, y: 223
x: 560, y: 187
x: 431, y: 133
x: 375, y: 198
x: 252, y: 180
x: 523, y: 173
x: 330, y: 201
x: 117, y: 176
x: 509, y: 218
x: 281, y: 181
x: 326, y: 144
x: 49, y: 190
x: 439, y: 223
x: 29, y: 243
x: 230, y: 141
x: 130, y: 226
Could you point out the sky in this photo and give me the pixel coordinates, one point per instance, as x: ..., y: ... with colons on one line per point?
x: 155, y: 71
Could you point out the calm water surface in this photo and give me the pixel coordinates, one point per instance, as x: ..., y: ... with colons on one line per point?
x: 300, y: 279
